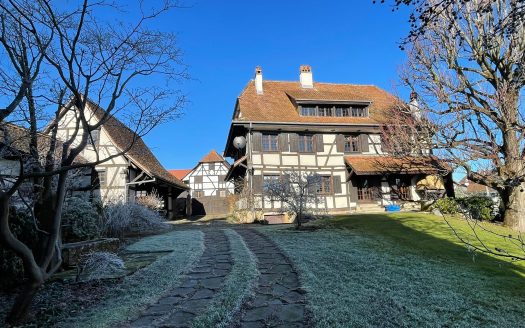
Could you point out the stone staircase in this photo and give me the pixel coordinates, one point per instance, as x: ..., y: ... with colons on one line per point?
x: 370, y: 208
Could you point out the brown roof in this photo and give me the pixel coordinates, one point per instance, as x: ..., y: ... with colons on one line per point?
x: 473, y: 187
x: 139, y: 152
x: 276, y: 104
x: 179, y: 174
x: 364, y: 165
x: 212, y: 157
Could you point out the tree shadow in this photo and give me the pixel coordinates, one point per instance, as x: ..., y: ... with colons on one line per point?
x: 431, y: 238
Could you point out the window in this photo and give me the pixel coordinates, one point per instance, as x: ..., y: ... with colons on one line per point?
x: 269, y: 142
x: 306, y: 144
x: 223, y: 193
x: 325, y: 185
x: 197, y: 179
x: 308, y: 111
x: 325, y: 111
x: 270, y: 179
x: 352, y: 144
x: 212, y: 166
x: 335, y: 110
x: 140, y: 193
x: 102, y: 178
x: 198, y: 193
x: 342, y: 111
x: 359, y: 112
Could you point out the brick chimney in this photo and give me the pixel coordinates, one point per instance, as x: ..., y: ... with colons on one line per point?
x: 258, y: 80
x: 305, y: 76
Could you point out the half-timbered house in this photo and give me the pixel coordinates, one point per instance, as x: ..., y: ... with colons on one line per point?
x: 207, y: 178
x: 131, y: 170
x: 330, y: 129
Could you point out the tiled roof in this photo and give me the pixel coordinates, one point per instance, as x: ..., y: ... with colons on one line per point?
x: 179, y: 174
x: 18, y: 140
x: 363, y: 165
x: 139, y: 152
x: 212, y: 157
x: 473, y: 187
x: 276, y: 104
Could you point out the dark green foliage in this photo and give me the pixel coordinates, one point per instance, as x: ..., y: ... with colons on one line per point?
x: 479, y: 207
x: 447, y: 206
x: 23, y: 227
x: 80, y: 221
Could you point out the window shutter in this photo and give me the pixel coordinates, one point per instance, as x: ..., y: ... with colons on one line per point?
x: 257, y: 141
x: 336, y: 179
x: 257, y: 184
x: 340, y: 143
x: 283, y: 142
x: 294, y: 142
x: 319, y: 143
x: 363, y: 140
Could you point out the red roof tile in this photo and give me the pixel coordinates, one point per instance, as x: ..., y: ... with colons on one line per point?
x: 212, y: 157
x: 363, y: 165
x: 276, y: 104
x: 179, y: 174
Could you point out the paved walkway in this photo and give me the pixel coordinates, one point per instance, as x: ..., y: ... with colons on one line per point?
x: 181, y: 305
x: 279, y: 300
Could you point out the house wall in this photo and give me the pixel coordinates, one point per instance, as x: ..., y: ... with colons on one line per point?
x: 212, y: 180
x: 115, y: 168
x: 327, y: 161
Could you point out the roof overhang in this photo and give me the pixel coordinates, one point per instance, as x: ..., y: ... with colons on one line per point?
x: 237, y: 168
x: 385, y: 165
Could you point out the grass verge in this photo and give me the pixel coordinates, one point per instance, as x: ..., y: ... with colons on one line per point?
x: 147, y: 285
x: 238, y: 287
x: 401, y: 270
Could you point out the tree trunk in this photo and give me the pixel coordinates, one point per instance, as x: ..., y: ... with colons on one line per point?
x: 23, y: 301
x: 514, y: 208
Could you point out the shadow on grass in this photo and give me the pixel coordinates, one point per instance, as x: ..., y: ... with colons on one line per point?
x: 430, y: 236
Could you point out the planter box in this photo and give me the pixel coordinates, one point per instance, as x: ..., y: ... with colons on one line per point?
x: 71, y: 253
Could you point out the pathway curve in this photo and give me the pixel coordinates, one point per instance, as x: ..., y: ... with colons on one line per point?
x: 181, y: 305
x: 279, y: 299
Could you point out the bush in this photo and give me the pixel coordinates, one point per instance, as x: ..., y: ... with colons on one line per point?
x: 446, y: 206
x: 11, y: 268
x: 80, y: 221
x: 479, y: 207
x: 129, y: 218
x: 152, y: 201
x: 99, y: 265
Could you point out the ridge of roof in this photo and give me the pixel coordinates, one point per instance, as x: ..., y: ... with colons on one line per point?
x: 212, y: 157
x: 315, y: 82
x: 121, y: 136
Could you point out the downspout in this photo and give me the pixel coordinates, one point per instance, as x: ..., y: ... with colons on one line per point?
x: 250, y: 170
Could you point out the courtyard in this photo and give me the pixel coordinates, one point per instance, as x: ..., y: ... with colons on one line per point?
x: 370, y: 270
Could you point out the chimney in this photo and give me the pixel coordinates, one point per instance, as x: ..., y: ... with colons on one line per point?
x: 413, y: 106
x: 258, y: 80
x: 305, y: 76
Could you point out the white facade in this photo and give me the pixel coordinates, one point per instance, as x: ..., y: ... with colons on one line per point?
x: 207, y: 179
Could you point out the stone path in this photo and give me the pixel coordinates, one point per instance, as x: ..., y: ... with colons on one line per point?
x: 182, y: 304
x: 279, y: 299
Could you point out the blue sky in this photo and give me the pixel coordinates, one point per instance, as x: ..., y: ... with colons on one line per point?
x: 344, y: 41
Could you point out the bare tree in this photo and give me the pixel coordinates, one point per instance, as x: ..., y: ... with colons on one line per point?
x: 468, y: 75
x: 427, y: 13
x: 88, y: 57
x: 297, y: 192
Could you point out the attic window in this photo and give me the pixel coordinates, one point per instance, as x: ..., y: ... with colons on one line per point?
x: 334, y: 111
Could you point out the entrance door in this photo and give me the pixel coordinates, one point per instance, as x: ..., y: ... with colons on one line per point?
x: 368, y: 189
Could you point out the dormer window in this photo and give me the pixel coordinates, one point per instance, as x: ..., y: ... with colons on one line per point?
x: 334, y: 110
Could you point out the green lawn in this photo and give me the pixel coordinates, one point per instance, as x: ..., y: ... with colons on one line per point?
x: 405, y: 270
